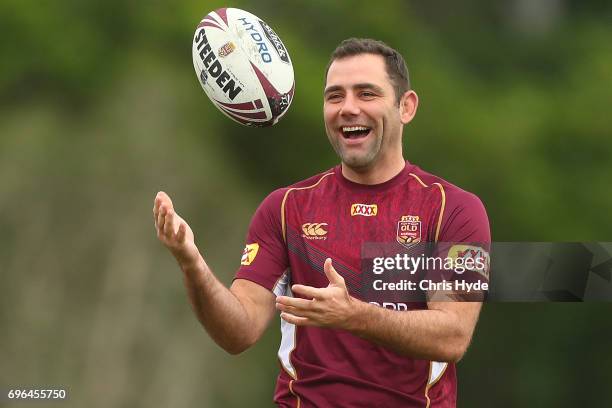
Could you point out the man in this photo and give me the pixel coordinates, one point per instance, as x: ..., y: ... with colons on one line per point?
x: 304, y: 256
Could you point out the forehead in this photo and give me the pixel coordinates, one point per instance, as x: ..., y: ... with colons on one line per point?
x: 356, y: 69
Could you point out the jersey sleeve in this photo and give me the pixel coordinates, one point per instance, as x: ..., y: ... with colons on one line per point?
x: 464, y: 242
x: 464, y: 220
x: 264, y: 259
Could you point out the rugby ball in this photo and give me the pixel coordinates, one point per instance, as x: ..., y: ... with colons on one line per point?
x: 243, y: 67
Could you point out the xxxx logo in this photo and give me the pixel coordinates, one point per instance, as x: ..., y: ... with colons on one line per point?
x: 367, y: 210
x: 314, y: 230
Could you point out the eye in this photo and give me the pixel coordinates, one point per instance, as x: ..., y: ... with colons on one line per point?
x: 367, y: 94
x: 333, y: 97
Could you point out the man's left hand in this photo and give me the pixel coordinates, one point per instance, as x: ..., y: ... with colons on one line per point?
x: 324, y: 307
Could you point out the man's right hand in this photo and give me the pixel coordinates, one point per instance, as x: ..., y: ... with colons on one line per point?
x: 174, y: 232
x: 234, y: 318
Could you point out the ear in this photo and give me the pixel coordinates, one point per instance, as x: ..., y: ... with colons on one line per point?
x: 408, y: 106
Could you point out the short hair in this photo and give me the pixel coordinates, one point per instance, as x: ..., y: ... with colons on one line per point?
x: 394, y: 62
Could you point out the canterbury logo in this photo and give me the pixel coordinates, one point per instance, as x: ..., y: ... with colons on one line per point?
x: 367, y: 210
x: 314, y: 229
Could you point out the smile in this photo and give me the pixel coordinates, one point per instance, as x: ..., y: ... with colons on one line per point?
x: 355, y: 132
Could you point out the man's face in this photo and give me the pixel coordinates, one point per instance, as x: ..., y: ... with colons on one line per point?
x: 362, y: 120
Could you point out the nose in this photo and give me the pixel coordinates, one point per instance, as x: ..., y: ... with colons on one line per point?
x: 350, y: 106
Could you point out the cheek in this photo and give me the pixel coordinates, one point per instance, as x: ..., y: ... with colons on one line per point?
x: 379, y: 112
x: 390, y: 117
x: 328, y: 113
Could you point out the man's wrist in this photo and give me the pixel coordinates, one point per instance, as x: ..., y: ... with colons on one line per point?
x: 193, y: 265
x: 357, y: 321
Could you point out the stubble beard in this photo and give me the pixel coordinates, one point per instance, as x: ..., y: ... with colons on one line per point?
x: 358, y: 161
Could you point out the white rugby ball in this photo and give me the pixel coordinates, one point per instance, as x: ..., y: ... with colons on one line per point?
x: 243, y: 67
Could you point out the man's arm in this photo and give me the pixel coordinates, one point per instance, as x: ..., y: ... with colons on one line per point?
x: 440, y: 333
x: 235, y: 318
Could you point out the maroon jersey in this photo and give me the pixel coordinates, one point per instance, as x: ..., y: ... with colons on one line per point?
x: 292, y: 233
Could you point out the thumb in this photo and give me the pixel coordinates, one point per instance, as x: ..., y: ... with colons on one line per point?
x: 334, y: 277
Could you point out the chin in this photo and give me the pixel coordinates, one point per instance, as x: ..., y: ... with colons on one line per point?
x: 358, y: 163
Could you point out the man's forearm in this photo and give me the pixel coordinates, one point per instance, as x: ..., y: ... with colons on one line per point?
x: 234, y: 321
x: 432, y: 334
x: 440, y: 333
x: 220, y: 312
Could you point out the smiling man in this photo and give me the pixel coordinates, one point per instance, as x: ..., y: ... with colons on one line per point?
x: 304, y: 256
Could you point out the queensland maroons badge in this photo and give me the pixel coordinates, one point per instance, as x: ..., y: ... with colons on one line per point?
x: 409, y: 230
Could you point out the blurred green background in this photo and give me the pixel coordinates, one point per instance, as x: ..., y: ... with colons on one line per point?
x: 100, y: 108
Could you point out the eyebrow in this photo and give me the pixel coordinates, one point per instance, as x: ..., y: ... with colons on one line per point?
x: 364, y: 85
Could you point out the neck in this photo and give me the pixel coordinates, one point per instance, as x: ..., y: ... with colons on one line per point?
x: 376, y: 174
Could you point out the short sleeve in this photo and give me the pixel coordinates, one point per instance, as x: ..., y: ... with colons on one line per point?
x: 464, y: 241
x: 465, y: 220
x: 264, y: 259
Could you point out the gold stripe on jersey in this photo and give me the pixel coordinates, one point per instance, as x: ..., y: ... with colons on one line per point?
x: 283, y: 222
x: 431, y: 383
x: 418, y: 179
x: 294, y: 394
x: 442, y: 205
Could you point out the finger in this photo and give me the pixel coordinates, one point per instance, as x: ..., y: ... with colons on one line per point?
x: 156, y: 205
x: 308, y: 291
x: 182, y: 233
x: 333, y: 276
x: 298, y: 321
x: 161, y: 217
x: 289, y: 309
x: 169, y: 224
x: 155, y: 209
x: 293, y: 302
x: 160, y: 198
x: 164, y: 197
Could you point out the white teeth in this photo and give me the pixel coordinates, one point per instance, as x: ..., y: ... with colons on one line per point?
x: 353, y: 128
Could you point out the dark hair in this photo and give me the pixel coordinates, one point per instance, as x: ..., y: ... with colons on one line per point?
x: 394, y: 62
